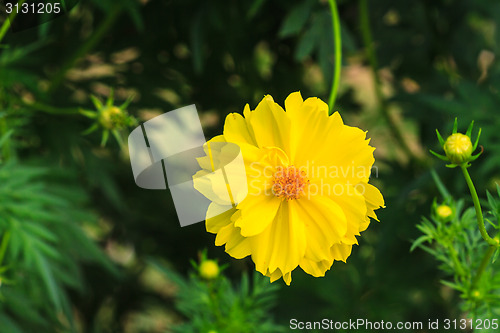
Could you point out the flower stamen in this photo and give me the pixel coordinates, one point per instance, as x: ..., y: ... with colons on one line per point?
x: 289, y: 183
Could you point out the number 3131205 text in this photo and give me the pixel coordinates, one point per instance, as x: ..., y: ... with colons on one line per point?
x: 33, y: 8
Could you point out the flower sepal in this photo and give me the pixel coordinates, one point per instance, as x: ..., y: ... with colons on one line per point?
x: 458, y: 147
x: 109, y: 118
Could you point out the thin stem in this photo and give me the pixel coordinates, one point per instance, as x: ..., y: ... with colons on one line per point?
x: 482, y: 267
x: 337, y: 40
x: 6, y: 145
x: 382, y: 102
x: 6, y: 151
x: 477, y: 205
x: 86, y: 47
x: 51, y: 109
x: 368, y: 41
x: 4, y: 129
x: 8, y: 22
x: 3, y: 246
x: 454, y: 256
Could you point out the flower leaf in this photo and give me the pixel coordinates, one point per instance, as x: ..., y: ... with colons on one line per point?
x: 440, y: 138
x: 469, y: 130
x: 477, y: 140
x: 442, y: 157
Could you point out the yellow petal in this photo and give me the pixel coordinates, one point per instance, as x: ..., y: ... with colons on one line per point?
x: 281, y: 245
x: 293, y: 103
x: 260, y: 171
x: 337, y: 147
x: 213, y: 186
x: 308, y: 130
x: 237, y: 246
x: 287, y: 277
x: 353, y: 205
x: 374, y: 200
x: 341, y: 252
x: 315, y: 268
x: 257, y: 212
x: 316, y: 104
x: 247, y: 113
x: 207, y: 162
x: 271, y: 125
x: 236, y: 130
x: 218, y: 216
x: 365, y: 224
x: 274, y: 275
x: 325, y: 224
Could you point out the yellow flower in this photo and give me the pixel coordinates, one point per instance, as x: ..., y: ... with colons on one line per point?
x: 458, y: 148
x: 209, y: 269
x: 307, y: 195
x: 444, y: 211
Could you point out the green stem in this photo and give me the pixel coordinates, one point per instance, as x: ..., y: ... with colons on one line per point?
x: 4, y: 129
x: 368, y: 41
x: 382, y: 102
x: 6, y: 151
x: 215, y: 304
x: 51, y: 109
x: 477, y: 205
x: 480, y: 222
x: 337, y: 40
x: 454, y: 256
x: 8, y: 22
x: 86, y: 47
x: 3, y: 246
x: 6, y: 144
x: 482, y: 267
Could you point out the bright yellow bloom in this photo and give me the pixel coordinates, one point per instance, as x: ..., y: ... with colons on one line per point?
x: 444, y: 211
x: 308, y: 195
x: 209, y: 269
x: 458, y: 148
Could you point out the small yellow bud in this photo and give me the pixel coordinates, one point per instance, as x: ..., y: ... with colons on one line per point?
x: 111, y: 117
x: 444, y: 211
x: 458, y: 148
x: 476, y: 294
x: 209, y: 269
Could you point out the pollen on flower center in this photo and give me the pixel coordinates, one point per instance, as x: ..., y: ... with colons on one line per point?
x: 289, y: 183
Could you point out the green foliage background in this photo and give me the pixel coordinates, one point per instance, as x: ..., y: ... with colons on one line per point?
x: 82, y: 237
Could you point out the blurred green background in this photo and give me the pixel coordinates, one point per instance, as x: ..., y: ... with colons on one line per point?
x: 82, y: 236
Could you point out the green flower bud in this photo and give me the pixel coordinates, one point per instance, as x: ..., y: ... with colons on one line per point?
x: 476, y: 294
x: 111, y: 117
x: 458, y: 148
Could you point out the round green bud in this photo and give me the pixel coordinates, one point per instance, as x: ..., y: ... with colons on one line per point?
x: 111, y: 117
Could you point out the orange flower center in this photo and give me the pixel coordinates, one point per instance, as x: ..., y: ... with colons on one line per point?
x: 289, y: 183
